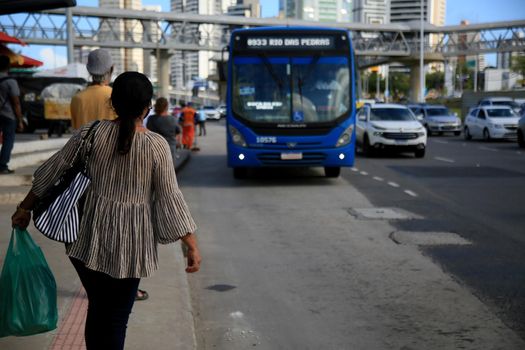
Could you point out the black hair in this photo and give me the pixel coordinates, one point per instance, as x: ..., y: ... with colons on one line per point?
x: 4, y: 63
x: 132, y: 93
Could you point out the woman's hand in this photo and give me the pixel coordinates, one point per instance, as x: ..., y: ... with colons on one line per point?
x: 194, y: 260
x: 192, y: 253
x: 21, y: 218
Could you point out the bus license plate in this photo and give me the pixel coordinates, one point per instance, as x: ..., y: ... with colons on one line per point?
x: 291, y: 156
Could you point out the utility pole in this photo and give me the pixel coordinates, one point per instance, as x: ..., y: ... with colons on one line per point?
x: 421, y: 61
x: 70, y: 35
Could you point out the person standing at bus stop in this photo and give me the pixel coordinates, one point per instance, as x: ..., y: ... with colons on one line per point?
x: 10, y: 114
x: 93, y: 102
x: 188, y: 126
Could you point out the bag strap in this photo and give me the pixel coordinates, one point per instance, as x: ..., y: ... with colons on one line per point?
x: 88, y: 139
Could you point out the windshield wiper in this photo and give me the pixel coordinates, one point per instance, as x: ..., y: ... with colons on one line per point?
x: 301, y: 79
x: 270, y: 69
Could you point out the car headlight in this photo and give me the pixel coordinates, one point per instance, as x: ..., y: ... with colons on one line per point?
x: 497, y: 126
x: 237, y: 137
x: 420, y: 133
x: 345, y: 137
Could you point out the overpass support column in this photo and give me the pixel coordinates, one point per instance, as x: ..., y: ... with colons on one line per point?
x: 415, y: 83
x: 163, y: 73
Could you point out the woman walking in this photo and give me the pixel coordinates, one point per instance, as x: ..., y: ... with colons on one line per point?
x: 132, y: 204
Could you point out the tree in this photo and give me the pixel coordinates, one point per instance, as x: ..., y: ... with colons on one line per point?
x: 518, y: 65
x: 435, y: 80
x: 399, y: 85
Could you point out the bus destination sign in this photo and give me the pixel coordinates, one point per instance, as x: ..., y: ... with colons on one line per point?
x: 287, y: 43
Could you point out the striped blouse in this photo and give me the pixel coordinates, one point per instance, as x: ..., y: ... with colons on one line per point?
x: 132, y: 204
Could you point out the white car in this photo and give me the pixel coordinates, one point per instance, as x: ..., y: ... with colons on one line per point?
x: 382, y: 126
x: 210, y: 112
x: 500, y: 101
x: 491, y: 122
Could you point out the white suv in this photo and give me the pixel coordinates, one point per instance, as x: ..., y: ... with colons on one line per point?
x: 394, y: 126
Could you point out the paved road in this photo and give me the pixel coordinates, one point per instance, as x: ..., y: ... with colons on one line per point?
x: 475, y: 189
x: 287, y: 267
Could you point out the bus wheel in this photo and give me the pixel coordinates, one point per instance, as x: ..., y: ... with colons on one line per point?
x: 332, y: 171
x: 240, y: 173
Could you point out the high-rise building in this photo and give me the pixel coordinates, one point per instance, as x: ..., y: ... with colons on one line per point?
x: 124, y: 59
x: 317, y: 10
x: 371, y: 11
x: 410, y: 10
x: 245, y: 8
x: 187, y: 66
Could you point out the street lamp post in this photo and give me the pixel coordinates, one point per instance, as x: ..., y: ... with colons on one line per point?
x: 421, y: 61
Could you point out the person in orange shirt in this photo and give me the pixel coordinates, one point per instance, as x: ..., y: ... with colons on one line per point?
x: 188, y: 126
x: 94, y: 102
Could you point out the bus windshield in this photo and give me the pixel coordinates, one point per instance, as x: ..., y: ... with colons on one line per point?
x: 304, y: 90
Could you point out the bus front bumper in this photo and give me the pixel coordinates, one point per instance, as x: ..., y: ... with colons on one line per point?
x: 322, y: 157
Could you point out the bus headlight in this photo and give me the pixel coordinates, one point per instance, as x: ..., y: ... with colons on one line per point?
x: 345, y: 137
x: 237, y: 137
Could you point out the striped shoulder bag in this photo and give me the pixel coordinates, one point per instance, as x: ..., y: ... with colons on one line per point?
x: 57, y: 213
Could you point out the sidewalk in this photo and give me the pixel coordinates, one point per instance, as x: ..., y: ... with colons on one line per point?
x: 164, y: 321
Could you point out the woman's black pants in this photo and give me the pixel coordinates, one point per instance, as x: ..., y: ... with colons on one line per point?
x: 110, y: 301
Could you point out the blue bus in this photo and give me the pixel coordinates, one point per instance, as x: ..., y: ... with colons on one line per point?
x: 290, y: 99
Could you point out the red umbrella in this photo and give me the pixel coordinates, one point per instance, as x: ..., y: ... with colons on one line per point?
x: 18, y: 60
x: 4, y: 38
x: 28, y: 63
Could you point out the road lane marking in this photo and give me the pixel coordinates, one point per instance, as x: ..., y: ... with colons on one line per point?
x: 488, y: 149
x: 363, y: 173
x: 393, y: 184
x: 439, y: 141
x: 354, y: 169
x: 445, y: 159
x: 377, y: 178
x: 410, y: 193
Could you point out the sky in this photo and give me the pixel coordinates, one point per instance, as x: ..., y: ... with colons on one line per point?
x: 475, y: 11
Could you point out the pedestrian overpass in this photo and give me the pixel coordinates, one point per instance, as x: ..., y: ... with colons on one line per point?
x: 167, y: 31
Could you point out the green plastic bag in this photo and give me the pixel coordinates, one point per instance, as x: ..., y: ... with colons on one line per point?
x: 28, y: 292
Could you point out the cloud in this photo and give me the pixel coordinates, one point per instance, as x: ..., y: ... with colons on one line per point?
x: 52, y: 59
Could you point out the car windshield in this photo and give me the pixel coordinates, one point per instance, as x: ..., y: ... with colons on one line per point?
x: 208, y: 107
x: 511, y: 104
x: 501, y: 113
x: 436, y: 112
x: 291, y: 89
x: 390, y: 114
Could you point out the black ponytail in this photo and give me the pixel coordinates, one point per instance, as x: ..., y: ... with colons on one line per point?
x: 132, y: 93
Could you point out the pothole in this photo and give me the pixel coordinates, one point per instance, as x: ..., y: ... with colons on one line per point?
x: 382, y: 214
x: 427, y: 238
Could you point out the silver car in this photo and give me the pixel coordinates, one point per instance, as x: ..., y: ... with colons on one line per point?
x: 437, y: 119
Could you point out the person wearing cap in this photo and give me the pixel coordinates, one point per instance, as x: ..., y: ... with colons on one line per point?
x: 93, y: 102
